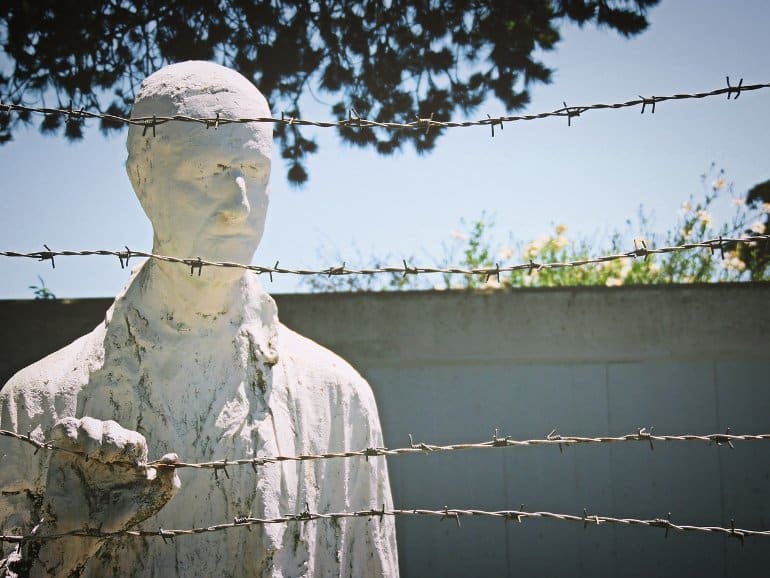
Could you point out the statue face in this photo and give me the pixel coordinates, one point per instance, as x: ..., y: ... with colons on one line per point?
x: 205, y: 190
x: 208, y: 197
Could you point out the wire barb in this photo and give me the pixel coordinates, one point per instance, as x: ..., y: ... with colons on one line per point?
x: 450, y: 514
x: 166, y: 535
x: 640, y: 250
x: 194, y: 264
x: 149, y: 123
x: 214, y: 123
x: 493, y: 122
x: 736, y: 90
x: 47, y: 255
x: 553, y: 436
x: 73, y: 115
x: 646, y: 434
x: 123, y: 257
x: 571, y: 112
x: 646, y: 101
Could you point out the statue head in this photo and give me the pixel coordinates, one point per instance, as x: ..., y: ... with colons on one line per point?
x: 205, y: 190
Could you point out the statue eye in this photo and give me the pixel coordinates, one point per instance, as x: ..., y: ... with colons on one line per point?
x: 253, y: 171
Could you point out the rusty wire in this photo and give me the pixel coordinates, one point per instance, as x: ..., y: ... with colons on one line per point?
x: 519, y: 515
x: 639, y: 250
x: 570, y: 112
x: 552, y: 439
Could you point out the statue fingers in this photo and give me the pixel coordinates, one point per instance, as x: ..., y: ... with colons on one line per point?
x: 164, y: 475
x: 119, y: 444
x: 103, y: 441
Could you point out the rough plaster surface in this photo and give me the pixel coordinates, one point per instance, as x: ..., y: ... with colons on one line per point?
x: 202, y: 368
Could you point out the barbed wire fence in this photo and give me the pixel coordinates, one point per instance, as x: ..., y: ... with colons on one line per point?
x: 640, y: 249
x: 353, y: 120
x: 519, y: 515
x: 644, y: 435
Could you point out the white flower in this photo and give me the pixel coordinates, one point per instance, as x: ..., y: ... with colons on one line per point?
x: 758, y: 228
x: 613, y: 282
x: 765, y: 208
x: 533, y: 248
x: 733, y: 263
x: 654, y: 268
x: 491, y: 283
x: 685, y: 208
x: 530, y: 278
x: 718, y: 184
x: 457, y: 234
x: 625, y: 268
x: 561, y: 229
x: 560, y: 242
x: 704, y: 217
x: 738, y: 202
x: 505, y: 253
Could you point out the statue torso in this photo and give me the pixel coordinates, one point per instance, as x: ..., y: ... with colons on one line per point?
x: 245, y: 390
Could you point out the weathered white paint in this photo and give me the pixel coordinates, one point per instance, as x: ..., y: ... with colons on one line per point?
x: 200, y: 366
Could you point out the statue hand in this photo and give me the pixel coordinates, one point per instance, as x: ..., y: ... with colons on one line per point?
x: 101, y: 483
x: 104, y: 484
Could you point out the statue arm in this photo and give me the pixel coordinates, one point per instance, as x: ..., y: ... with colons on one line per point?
x: 102, y: 484
x: 373, y: 547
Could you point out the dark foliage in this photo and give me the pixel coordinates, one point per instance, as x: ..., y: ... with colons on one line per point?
x: 385, y: 60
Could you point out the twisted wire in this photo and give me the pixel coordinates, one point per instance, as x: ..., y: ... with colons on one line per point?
x: 552, y: 439
x: 720, y: 244
x: 519, y: 515
x: 151, y: 122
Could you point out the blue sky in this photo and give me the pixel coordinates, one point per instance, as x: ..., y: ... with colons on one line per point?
x: 591, y: 176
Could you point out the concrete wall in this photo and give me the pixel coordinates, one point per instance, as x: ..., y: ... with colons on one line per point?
x: 452, y: 367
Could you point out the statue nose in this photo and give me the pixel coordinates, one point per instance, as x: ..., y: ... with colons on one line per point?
x: 238, y: 207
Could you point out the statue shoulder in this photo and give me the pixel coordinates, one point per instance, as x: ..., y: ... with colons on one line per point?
x: 310, y: 358
x: 321, y: 378
x: 47, y: 389
x: 306, y: 353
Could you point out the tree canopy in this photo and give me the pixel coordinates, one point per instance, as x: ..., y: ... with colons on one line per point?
x: 385, y: 60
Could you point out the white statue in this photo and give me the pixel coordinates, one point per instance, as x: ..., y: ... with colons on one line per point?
x: 198, y: 366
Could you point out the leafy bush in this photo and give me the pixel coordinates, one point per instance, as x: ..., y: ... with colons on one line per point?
x: 472, y: 247
x: 42, y: 292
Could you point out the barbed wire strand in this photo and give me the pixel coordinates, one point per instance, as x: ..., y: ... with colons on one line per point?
x: 519, y: 515
x: 640, y: 250
x: 151, y: 122
x: 552, y: 439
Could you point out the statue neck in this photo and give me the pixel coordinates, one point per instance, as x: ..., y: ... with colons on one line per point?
x: 193, y: 303
x: 162, y: 302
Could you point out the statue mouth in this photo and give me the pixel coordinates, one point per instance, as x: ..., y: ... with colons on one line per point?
x: 228, y: 229
x: 232, y: 235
